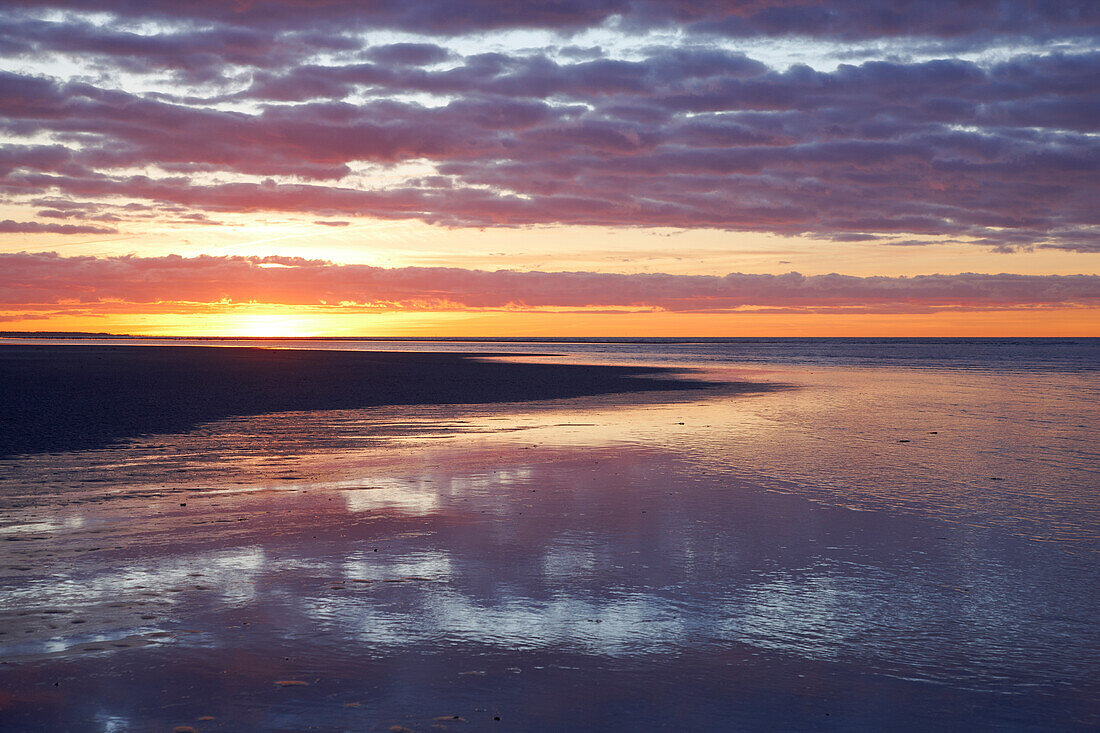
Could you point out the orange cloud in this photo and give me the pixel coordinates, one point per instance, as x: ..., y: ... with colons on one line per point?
x: 104, y: 282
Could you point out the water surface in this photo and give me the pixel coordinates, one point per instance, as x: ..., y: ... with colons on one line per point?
x: 887, y: 546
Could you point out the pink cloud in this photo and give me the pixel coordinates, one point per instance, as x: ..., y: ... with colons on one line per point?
x: 861, y: 151
x: 7, y: 226
x: 687, y: 136
x: 840, y: 19
x: 49, y: 278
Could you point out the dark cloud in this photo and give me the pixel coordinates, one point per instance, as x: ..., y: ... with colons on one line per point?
x: 408, y: 54
x: 48, y: 278
x: 688, y: 136
x: 840, y: 19
x: 863, y: 19
x: 196, y: 55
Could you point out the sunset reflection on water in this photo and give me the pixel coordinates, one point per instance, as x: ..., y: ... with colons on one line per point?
x: 414, y: 563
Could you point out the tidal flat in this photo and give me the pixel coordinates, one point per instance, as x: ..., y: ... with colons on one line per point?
x: 843, y: 548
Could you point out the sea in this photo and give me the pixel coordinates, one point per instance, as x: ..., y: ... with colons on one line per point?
x: 899, y: 534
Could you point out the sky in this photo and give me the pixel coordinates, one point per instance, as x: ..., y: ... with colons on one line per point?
x: 550, y: 167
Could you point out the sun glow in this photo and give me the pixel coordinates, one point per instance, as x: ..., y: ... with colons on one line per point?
x: 266, y: 326
x: 268, y: 321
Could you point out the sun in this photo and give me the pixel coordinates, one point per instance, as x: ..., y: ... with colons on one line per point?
x: 265, y: 326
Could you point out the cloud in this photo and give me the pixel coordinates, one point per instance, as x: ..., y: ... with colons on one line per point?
x: 296, y: 114
x: 7, y: 226
x: 50, y: 279
x: 408, y: 54
x: 196, y: 55
x: 841, y: 19
x: 24, y: 317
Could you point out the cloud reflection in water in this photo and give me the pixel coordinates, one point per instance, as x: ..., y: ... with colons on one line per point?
x: 596, y: 565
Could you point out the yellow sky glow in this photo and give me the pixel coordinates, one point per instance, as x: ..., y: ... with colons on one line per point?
x: 283, y: 321
x: 592, y: 249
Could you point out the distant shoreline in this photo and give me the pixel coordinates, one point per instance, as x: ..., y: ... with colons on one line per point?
x: 82, y: 335
x: 60, y: 398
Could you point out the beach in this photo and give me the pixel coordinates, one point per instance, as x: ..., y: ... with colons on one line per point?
x: 72, y: 397
x: 617, y: 367
x: 535, y: 544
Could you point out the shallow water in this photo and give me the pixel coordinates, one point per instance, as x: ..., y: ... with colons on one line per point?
x: 766, y: 561
x: 953, y: 354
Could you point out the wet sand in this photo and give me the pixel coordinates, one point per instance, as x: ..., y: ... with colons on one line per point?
x: 503, y: 585
x: 664, y: 560
x: 61, y: 398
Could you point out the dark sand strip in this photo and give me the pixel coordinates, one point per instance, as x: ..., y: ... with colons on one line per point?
x: 58, y: 398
